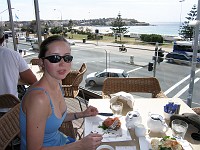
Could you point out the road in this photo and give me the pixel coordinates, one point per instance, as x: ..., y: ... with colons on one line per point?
x: 173, y: 78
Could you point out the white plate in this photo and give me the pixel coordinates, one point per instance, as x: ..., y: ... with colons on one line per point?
x: 145, y: 143
x: 92, y: 123
x: 105, y: 146
x: 113, y: 133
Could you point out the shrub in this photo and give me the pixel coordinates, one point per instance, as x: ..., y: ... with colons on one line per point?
x: 153, y: 38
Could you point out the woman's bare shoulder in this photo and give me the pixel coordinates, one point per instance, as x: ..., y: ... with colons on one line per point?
x: 36, y: 98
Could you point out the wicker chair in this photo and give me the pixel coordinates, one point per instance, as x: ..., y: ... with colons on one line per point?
x: 72, y: 81
x: 68, y: 129
x: 7, y: 101
x: 9, y: 127
x: 35, y: 61
x: 196, y: 110
x: 140, y: 85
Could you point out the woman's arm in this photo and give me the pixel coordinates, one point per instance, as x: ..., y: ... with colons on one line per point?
x: 90, y: 111
x: 37, y: 111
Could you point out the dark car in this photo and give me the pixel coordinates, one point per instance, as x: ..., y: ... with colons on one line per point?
x: 179, y: 58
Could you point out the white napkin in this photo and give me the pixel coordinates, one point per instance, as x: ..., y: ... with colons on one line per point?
x: 127, y: 97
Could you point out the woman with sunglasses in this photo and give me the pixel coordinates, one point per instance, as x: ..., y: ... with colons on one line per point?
x: 43, y: 108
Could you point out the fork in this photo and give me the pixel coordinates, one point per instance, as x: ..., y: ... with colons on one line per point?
x: 113, y: 125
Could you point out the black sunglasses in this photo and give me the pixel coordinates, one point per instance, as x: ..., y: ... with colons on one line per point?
x: 57, y: 58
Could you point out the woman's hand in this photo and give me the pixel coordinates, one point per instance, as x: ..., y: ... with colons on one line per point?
x: 90, y: 111
x: 91, y: 141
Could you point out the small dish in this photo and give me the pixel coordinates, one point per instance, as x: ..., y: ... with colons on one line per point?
x: 105, y: 147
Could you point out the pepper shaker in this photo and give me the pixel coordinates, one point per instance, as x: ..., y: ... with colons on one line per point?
x: 178, y: 108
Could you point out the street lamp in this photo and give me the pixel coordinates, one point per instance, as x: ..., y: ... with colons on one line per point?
x: 181, y: 10
x: 3, y: 12
x: 60, y: 19
x: 107, y: 59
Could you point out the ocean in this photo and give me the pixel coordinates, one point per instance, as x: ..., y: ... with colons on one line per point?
x: 162, y: 28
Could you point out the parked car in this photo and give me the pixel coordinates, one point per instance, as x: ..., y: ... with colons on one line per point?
x: 97, y: 78
x: 31, y: 39
x: 22, y: 38
x: 178, y: 58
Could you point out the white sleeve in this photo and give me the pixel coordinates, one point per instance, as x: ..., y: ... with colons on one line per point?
x: 23, y: 66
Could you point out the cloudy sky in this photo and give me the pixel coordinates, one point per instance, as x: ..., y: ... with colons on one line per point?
x: 141, y: 10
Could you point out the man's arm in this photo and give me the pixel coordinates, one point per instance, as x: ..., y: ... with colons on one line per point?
x: 27, y: 76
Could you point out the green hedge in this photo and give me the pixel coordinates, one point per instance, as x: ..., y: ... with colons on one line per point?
x: 153, y: 38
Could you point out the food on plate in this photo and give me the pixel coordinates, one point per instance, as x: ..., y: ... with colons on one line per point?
x: 165, y: 143
x: 109, y: 121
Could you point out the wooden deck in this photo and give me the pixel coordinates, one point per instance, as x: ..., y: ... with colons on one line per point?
x: 73, y: 106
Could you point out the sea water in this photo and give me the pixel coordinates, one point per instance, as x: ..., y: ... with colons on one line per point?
x: 163, y: 28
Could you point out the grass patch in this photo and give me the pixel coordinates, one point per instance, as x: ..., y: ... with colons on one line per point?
x: 111, y: 39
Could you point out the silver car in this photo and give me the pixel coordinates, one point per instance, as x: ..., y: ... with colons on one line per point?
x: 97, y: 78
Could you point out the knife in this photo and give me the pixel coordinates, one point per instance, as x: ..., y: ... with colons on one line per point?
x: 105, y: 114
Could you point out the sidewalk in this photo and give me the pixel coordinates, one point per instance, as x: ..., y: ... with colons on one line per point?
x: 141, y: 47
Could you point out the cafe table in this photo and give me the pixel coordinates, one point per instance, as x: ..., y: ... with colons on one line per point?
x: 143, y: 106
x: 36, y: 71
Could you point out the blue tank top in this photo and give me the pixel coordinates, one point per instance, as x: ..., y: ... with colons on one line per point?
x: 52, y: 136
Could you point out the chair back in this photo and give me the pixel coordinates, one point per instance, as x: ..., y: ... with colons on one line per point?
x: 35, y: 61
x: 68, y: 129
x: 79, y: 77
x: 69, y: 79
x: 72, y: 81
x: 196, y: 110
x: 8, y: 101
x: 9, y: 126
x: 129, y: 85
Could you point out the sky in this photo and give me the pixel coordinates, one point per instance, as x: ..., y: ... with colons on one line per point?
x: 141, y: 10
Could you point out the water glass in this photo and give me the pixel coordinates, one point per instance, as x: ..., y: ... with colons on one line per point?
x: 179, y: 128
x: 117, y: 108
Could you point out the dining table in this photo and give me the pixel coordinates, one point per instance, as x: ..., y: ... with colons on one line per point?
x: 144, y: 106
x: 37, y: 71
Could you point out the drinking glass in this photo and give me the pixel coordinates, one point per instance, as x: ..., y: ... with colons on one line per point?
x: 179, y: 128
x: 117, y: 108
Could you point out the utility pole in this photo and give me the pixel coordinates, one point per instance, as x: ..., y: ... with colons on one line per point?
x: 12, y: 25
x: 194, y: 58
x: 155, y: 59
x: 106, y: 60
x: 96, y: 33
x: 38, y: 21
